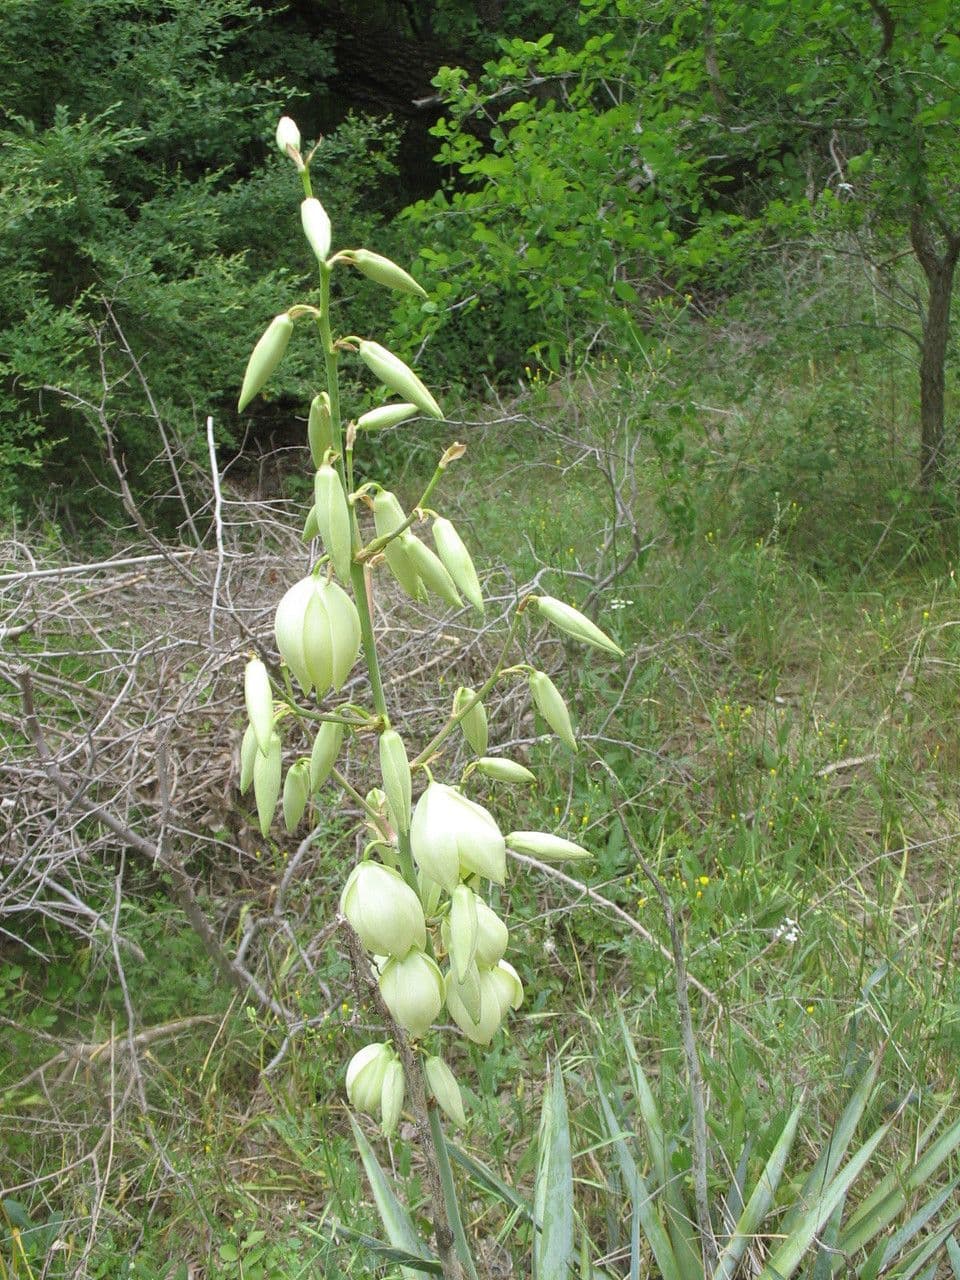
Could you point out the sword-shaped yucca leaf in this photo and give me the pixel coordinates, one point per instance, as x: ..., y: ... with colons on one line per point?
x: 553, y: 1247
x: 787, y: 1257
x: 827, y: 1244
x: 911, y: 1266
x: 485, y: 1177
x: 830, y: 1158
x: 389, y: 1252
x: 890, y: 1197
x: 889, y: 1248
x: 644, y: 1214
x: 680, y: 1215
x: 757, y: 1207
x: 953, y: 1255
x: 397, y: 1223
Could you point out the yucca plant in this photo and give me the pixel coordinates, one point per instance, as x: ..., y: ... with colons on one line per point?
x: 774, y: 1220
x: 763, y: 1226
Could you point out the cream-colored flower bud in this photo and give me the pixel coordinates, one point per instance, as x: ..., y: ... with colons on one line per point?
x: 444, y: 1087
x: 311, y: 528
x: 264, y: 358
x: 391, y: 1097
x: 258, y: 697
x: 288, y: 136
x: 546, y: 847
x: 378, y: 817
x: 317, y: 629
x: 413, y: 991
x: 503, y: 770
x: 457, y: 562
x: 450, y: 837
x: 375, y: 267
x: 460, y: 934
x: 388, y: 516
x: 387, y: 415
x: 395, y: 771
x: 288, y: 629
x: 383, y: 910
x: 365, y: 1075
x: 430, y: 569
x: 248, y: 755
x: 266, y: 782
x: 399, y: 377
x: 333, y: 517
x: 317, y: 641
x: 326, y: 748
x: 316, y: 227
x: 296, y: 793
x: 319, y: 428
x: 482, y: 1028
x: 508, y: 987
x: 575, y: 624
x: 547, y: 699
x: 492, y: 935
x: 344, y: 632
x: 473, y: 725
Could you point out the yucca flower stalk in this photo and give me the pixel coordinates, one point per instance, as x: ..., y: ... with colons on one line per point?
x: 426, y: 946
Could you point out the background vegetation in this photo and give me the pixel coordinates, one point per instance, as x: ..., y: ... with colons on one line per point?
x: 690, y: 270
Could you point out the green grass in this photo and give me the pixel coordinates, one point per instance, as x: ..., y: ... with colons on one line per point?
x: 785, y: 745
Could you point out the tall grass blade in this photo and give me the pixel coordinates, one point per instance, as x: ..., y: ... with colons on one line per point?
x: 553, y: 1244
x: 397, y: 1223
x: 761, y: 1198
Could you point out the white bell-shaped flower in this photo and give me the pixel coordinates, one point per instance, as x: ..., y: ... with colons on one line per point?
x: 452, y: 837
x: 412, y: 989
x: 383, y: 910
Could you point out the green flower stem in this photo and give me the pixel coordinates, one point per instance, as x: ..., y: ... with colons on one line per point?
x: 450, y: 1194
x: 372, y: 548
x: 354, y: 794
x: 441, y: 736
x: 357, y: 576
x: 407, y: 869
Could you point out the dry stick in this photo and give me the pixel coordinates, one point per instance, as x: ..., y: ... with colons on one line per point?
x: 700, y: 1154
x: 181, y: 885
x: 416, y: 1084
x: 89, y: 1052
x: 218, y: 525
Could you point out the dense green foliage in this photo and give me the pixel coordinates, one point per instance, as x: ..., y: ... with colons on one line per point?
x: 136, y: 163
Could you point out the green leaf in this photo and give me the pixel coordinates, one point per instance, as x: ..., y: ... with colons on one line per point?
x: 644, y: 1213
x: 680, y: 1215
x: 553, y: 1246
x: 832, y: 1154
x: 397, y: 1223
x: 389, y: 1252
x: 785, y: 1260
x: 760, y: 1200
x: 485, y: 1177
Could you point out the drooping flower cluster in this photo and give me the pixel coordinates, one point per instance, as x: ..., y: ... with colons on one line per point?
x: 415, y: 900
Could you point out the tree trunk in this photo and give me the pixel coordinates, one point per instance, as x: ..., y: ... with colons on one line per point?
x: 939, y: 270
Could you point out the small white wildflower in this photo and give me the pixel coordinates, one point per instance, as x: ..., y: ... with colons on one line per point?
x: 788, y: 931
